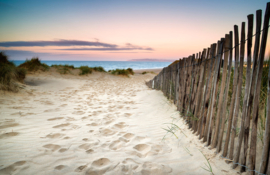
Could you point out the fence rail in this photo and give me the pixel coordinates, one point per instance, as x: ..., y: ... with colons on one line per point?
x: 220, y: 101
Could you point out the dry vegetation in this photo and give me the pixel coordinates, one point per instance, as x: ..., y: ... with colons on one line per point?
x: 10, y: 75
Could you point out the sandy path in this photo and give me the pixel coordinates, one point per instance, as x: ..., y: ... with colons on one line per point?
x: 100, y: 124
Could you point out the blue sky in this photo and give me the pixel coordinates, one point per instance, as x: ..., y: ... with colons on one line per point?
x: 138, y: 29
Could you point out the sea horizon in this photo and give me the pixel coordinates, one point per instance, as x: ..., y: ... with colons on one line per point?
x: 107, y: 65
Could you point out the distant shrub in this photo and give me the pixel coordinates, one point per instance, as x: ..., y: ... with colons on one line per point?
x: 85, y: 70
x: 98, y: 69
x: 9, y: 74
x: 125, y: 72
x: 34, y: 65
x: 144, y: 72
x: 60, y: 65
x: 63, y: 69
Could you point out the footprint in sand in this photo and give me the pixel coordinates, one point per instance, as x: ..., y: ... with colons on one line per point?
x: 92, y: 124
x: 63, y: 150
x: 89, y: 151
x: 127, y: 114
x: 141, y: 150
x: 12, y: 168
x: 8, y: 125
x: 128, y: 135
x: 78, y: 112
x: 86, y: 146
x: 59, y: 167
x: 101, y: 162
x: 116, y: 145
x: 52, y: 147
x: 54, y: 136
x: 61, y: 125
x: 63, y: 105
x: 106, y: 131
x: 8, y: 134
x: 52, y: 110
x: 149, y: 168
x: 120, y: 125
x: 80, y: 168
x: 129, y: 165
x: 55, y: 118
x: 83, y: 118
x: 144, y: 148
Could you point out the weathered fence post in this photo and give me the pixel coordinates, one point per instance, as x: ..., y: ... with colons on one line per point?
x: 235, y: 83
x: 221, y: 93
x: 224, y: 107
x: 239, y: 91
x: 255, y: 114
x: 247, y: 86
x: 200, y: 90
x: 214, y: 89
x: 207, y: 91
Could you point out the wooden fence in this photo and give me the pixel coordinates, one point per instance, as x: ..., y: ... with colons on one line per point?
x: 214, y: 96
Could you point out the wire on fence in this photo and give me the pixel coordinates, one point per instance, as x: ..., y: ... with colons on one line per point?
x: 243, y: 166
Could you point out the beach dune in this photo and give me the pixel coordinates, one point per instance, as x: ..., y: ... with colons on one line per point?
x: 97, y: 124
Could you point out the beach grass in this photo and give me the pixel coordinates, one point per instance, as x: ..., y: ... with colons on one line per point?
x: 10, y: 74
x: 85, y: 70
x: 34, y: 65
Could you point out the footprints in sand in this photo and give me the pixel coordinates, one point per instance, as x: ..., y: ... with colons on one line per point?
x: 88, y: 133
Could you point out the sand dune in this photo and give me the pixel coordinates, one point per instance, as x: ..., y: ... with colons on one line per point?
x: 96, y: 124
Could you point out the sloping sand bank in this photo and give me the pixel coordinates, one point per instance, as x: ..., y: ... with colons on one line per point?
x: 96, y: 124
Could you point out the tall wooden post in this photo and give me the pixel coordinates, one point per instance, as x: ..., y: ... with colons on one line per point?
x: 235, y: 83
x: 255, y: 114
x: 247, y: 87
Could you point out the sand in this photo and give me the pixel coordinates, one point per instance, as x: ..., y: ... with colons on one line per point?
x: 96, y: 124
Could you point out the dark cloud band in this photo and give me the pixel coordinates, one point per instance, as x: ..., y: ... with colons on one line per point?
x: 98, y: 46
x: 54, y: 43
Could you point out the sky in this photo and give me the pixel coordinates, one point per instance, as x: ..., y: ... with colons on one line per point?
x: 117, y: 30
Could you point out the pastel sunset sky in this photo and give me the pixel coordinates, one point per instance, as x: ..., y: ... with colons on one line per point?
x: 120, y: 30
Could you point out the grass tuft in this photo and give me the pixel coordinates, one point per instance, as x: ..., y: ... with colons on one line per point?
x: 209, y: 167
x: 34, y: 65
